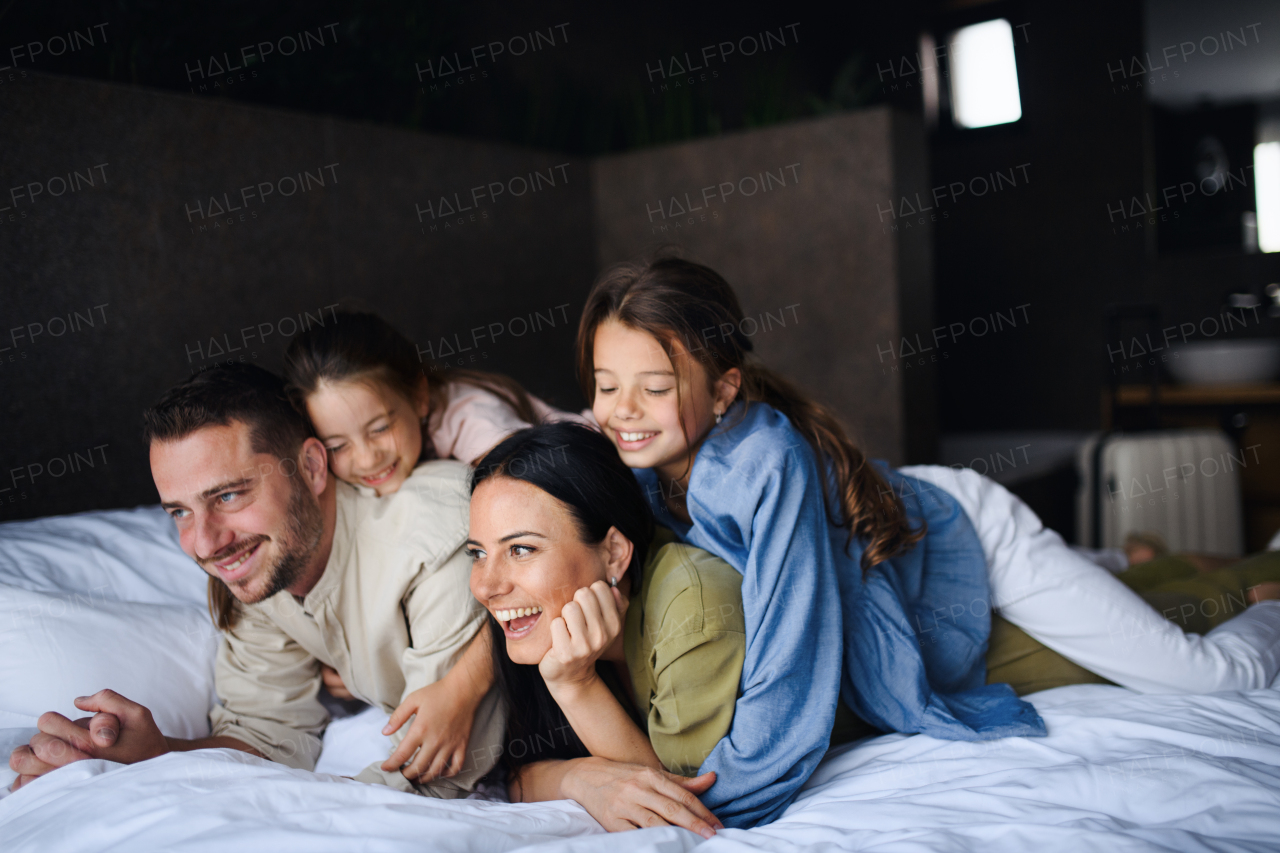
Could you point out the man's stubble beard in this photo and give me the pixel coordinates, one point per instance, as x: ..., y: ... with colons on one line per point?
x: 298, y: 544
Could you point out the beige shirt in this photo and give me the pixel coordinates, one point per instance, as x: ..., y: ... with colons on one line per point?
x: 392, y: 612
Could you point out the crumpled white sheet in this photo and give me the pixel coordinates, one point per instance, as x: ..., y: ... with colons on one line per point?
x: 1118, y: 772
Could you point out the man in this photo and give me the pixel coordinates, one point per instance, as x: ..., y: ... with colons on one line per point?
x: 306, y: 571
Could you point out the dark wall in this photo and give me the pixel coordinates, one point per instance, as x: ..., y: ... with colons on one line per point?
x: 1045, y: 243
x: 812, y: 250
x: 114, y: 291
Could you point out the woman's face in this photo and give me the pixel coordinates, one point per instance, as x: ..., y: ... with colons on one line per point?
x: 636, y: 403
x: 373, y: 434
x: 529, y: 560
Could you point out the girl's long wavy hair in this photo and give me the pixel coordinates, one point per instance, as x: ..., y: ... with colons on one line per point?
x: 360, y: 345
x: 691, y: 310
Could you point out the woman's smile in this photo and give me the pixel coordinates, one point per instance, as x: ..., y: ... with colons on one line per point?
x: 518, y: 622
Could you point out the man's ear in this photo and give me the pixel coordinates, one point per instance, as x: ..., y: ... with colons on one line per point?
x: 618, y: 550
x: 422, y: 403
x: 313, y: 465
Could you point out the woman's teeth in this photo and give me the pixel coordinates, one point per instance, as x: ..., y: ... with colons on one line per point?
x: 508, y: 615
x: 635, y: 436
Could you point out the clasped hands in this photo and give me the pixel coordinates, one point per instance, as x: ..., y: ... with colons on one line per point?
x: 119, y: 730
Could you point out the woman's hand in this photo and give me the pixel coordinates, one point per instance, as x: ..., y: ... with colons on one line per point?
x: 586, y: 626
x: 630, y: 796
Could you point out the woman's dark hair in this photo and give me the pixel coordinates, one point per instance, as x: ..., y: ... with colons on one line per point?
x: 360, y: 345
x: 580, y: 468
x: 679, y: 302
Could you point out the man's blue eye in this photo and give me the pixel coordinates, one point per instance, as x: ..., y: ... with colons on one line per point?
x: 227, y: 497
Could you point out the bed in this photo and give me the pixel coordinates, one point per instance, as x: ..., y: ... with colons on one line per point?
x: 1118, y: 771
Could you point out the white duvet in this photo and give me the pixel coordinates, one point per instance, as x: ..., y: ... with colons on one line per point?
x: 1118, y: 772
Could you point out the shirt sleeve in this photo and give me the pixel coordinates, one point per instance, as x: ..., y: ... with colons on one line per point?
x: 472, y: 423
x: 443, y: 618
x: 767, y: 518
x: 267, y: 685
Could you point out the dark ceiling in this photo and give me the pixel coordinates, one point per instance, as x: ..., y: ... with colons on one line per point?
x: 595, y: 89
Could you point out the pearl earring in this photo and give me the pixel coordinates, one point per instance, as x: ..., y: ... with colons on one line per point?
x: 718, y: 417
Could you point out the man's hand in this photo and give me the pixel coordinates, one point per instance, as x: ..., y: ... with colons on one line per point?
x: 46, y: 752
x: 333, y: 683
x: 121, y: 730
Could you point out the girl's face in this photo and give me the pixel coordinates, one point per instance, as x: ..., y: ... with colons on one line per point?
x: 372, y: 433
x: 529, y: 560
x: 636, y: 402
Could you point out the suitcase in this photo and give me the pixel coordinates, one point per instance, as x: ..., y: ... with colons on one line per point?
x: 1182, y: 484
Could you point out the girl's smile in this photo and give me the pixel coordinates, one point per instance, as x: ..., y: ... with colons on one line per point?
x: 372, y: 433
x: 654, y: 414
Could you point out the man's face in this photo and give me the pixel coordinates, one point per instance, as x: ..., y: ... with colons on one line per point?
x: 250, y: 520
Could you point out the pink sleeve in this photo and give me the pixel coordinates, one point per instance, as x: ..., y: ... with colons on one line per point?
x: 472, y: 423
x: 550, y: 414
x: 475, y: 420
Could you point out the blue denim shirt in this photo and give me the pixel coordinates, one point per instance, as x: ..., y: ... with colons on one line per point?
x: 905, y: 647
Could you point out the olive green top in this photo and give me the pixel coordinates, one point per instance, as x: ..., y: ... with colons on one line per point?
x: 685, y: 639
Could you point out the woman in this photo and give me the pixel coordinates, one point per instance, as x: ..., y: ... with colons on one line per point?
x: 619, y: 657
x: 859, y: 581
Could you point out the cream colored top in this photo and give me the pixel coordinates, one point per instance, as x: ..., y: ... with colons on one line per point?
x: 392, y: 612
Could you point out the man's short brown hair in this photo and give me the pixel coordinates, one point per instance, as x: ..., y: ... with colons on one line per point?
x: 226, y: 393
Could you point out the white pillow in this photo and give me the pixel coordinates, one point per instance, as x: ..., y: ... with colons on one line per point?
x: 116, y: 555
x: 58, y: 646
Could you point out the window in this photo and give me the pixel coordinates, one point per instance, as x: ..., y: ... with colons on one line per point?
x: 1266, y: 176
x: 984, y: 75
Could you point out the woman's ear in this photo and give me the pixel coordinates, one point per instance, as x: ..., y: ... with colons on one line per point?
x: 313, y: 465
x: 726, y: 388
x: 618, y: 550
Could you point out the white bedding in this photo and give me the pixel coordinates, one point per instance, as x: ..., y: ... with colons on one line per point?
x: 1118, y: 772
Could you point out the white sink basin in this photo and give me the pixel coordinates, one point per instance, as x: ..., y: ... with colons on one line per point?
x: 1226, y: 362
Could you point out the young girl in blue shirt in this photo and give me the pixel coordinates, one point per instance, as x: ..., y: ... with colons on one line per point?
x: 860, y: 583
